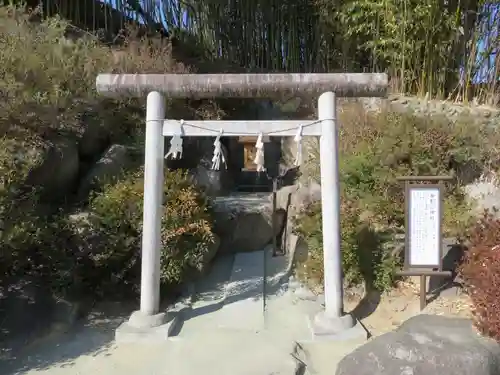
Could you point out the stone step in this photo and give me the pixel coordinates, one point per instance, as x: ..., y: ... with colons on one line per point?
x: 244, y: 293
x: 231, y: 295
x: 200, y: 309
x: 212, y: 288
x: 224, y: 352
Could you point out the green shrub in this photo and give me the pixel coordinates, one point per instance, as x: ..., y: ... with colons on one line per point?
x: 363, y: 256
x: 98, y: 252
x: 117, y: 212
x: 15, y: 232
x: 40, y: 248
x: 374, y: 151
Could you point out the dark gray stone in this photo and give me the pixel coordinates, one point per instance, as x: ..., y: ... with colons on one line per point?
x: 95, y: 136
x: 251, y: 231
x: 58, y: 172
x: 108, y: 169
x: 244, y: 222
x: 292, y: 199
x: 425, y: 345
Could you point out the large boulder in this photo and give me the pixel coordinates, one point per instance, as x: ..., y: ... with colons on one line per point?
x: 107, y: 169
x: 58, y: 172
x: 95, y: 137
x: 244, y: 222
x: 484, y: 194
x: 424, y: 345
x: 291, y: 199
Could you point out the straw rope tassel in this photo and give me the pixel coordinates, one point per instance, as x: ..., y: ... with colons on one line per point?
x: 175, y: 150
x: 218, y: 154
x: 298, y: 141
x: 259, y: 156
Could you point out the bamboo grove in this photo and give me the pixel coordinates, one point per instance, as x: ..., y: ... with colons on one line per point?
x: 427, y: 46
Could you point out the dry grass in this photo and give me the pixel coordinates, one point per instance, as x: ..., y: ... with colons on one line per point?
x: 49, y: 81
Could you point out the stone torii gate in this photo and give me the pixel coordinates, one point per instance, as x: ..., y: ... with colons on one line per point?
x: 148, y: 319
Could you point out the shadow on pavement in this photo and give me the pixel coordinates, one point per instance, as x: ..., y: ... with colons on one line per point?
x: 91, y: 336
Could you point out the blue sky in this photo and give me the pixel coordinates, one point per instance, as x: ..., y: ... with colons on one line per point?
x: 493, y: 7
x: 494, y: 10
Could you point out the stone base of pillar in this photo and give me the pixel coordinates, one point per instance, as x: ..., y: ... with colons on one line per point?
x: 344, y: 328
x: 147, y: 328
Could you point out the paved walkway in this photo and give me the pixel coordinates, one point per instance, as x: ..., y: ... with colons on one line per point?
x: 225, y: 330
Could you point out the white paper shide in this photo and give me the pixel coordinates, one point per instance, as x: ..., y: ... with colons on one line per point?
x: 424, y: 228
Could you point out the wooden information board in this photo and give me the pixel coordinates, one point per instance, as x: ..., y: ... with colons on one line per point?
x: 423, y: 230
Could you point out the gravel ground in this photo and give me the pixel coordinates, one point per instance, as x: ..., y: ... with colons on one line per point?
x: 384, y: 313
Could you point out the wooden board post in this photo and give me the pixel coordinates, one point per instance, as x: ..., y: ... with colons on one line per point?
x: 423, y: 229
x: 331, y: 321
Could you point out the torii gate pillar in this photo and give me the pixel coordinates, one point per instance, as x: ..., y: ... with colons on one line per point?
x: 149, y: 321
